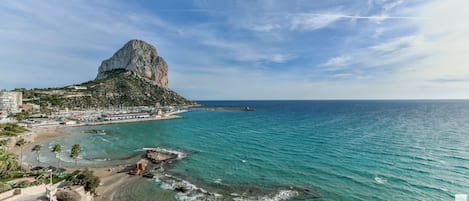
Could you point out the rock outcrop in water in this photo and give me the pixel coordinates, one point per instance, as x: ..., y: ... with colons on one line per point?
x: 218, y: 191
x: 140, y: 58
x: 158, y: 155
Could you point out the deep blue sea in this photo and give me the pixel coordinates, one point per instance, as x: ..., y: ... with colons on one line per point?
x: 341, y: 150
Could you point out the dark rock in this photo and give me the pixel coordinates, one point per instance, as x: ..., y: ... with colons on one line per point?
x: 183, y: 189
x: 148, y: 175
x: 156, y: 156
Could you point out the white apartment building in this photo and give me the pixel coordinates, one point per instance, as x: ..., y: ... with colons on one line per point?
x: 11, y: 101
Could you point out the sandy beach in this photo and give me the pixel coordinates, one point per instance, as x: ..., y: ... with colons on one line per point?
x: 111, y: 181
x: 112, y: 177
x: 39, y: 134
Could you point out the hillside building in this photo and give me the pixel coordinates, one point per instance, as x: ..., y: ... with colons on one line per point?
x: 11, y: 101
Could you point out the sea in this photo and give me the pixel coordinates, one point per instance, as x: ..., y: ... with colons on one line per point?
x: 295, y: 150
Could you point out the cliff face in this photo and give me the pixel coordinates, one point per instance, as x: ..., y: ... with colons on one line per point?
x: 141, y: 59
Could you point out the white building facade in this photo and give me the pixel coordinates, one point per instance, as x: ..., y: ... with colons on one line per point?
x: 11, y: 101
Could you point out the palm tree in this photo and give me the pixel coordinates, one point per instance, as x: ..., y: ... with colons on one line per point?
x: 36, y: 149
x: 8, y: 163
x: 75, y: 152
x: 20, y: 144
x: 57, y: 149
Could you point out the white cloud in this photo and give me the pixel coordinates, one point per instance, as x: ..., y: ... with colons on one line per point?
x: 281, y: 58
x: 337, y: 61
x: 244, y: 51
x: 391, y: 5
x: 342, y: 75
x: 398, y: 44
x: 264, y: 27
x: 431, y: 62
x: 312, y: 21
x: 378, y: 32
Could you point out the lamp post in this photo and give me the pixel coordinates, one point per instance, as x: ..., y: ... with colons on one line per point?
x: 49, y: 192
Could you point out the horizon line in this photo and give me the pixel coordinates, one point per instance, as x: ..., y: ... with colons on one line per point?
x: 345, y: 99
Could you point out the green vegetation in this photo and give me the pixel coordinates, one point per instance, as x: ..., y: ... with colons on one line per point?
x: 57, y: 149
x: 11, y: 129
x: 8, y: 163
x: 86, y: 178
x: 3, y: 144
x: 36, y: 149
x: 19, y: 143
x: 54, y: 100
x: 73, y: 174
x: 76, y: 149
x: 120, y: 88
x: 12, y: 174
x: 20, y: 116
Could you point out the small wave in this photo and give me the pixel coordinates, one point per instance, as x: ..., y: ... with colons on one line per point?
x: 166, y: 186
x: 442, y: 162
x: 218, y: 181
x: 187, y: 190
x: 190, y: 192
x: 104, y: 140
x: 379, y: 180
x: 101, y: 159
x: 244, y: 161
x: 280, y: 196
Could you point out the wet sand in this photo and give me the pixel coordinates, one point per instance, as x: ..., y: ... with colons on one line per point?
x: 112, y: 179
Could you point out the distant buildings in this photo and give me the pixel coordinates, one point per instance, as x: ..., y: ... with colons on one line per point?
x: 11, y: 101
x: 31, y: 107
x: 77, y: 87
x: 137, y: 115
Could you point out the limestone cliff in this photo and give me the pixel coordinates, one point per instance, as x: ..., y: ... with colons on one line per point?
x: 141, y: 59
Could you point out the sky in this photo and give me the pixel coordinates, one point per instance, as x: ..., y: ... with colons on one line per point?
x: 249, y: 49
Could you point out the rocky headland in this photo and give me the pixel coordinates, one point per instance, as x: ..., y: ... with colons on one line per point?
x: 134, y: 76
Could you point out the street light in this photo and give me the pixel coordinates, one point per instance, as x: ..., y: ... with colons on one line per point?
x: 49, y: 191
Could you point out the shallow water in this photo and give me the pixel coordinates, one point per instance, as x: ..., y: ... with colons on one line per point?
x: 343, y: 150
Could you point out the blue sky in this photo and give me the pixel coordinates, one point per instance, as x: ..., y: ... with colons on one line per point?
x: 240, y: 49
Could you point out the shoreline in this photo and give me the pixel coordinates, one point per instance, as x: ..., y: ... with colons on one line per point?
x: 41, y: 133
x: 113, y: 177
x: 169, y: 117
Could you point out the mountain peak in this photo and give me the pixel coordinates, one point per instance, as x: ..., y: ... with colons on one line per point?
x: 140, y: 58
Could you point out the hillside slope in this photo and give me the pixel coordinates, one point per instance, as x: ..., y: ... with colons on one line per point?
x: 119, y: 88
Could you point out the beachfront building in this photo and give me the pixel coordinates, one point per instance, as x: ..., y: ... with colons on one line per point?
x: 77, y: 87
x: 11, y: 101
x: 123, y: 116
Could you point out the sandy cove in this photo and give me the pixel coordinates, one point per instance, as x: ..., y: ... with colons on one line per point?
x: 39, y: 134
x: 112, y: 177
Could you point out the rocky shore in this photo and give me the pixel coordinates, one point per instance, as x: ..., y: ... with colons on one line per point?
x: 186, y: 190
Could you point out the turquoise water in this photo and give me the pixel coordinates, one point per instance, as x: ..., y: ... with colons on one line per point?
x: 343, y: 150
